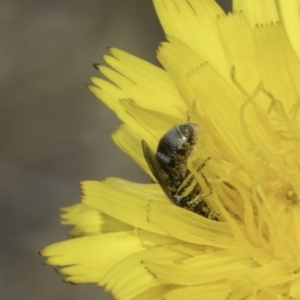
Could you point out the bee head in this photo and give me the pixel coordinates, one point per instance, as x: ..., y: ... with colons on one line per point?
x: 177, y: 143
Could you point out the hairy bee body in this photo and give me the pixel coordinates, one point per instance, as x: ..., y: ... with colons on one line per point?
x: 169, y: 167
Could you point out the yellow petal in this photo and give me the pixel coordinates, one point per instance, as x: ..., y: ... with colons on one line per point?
x: 136, y: 79
x: 220, y: 98
x: 116, y: 197
x: 110, y: 95
x: 194, y: 23
x: 257, y: 11
x: 233, y: 118
x: 129, y: 141
x: 295, y: 289
x: 87, y: 259
x: 155, y: 293
x: 218, y: 291
x: 190, y: 227
x: 205, y: 268
x: 279, y: 64
x: 124, y: 285
x: 152, y: 239
x: 289, y: 15
x: 274, y: 273
x: 242, y: 289
x: 179, y: 60
x: 238, y: 41
x: 90, y: 221
x: 157, y: 123
x: 86, y: 219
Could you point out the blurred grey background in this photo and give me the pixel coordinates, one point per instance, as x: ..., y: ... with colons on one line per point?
x: 54, y: 133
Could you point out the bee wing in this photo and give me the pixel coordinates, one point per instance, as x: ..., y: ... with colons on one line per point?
x: 155, y: 168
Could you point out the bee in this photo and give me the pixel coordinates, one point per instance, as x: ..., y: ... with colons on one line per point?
x: 169, y: 167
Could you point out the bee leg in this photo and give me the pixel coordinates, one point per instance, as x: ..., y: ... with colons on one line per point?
x: 188, y: 115
x: 203, y: 164
x: 204, y: 178
x: 208, y: 184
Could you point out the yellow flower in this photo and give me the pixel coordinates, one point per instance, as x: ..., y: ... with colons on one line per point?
x: 236, y: 76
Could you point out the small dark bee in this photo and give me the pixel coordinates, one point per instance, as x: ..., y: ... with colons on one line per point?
x: 169, y: 167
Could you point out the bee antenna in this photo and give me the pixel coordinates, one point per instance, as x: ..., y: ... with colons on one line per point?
x: 188, y: 116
